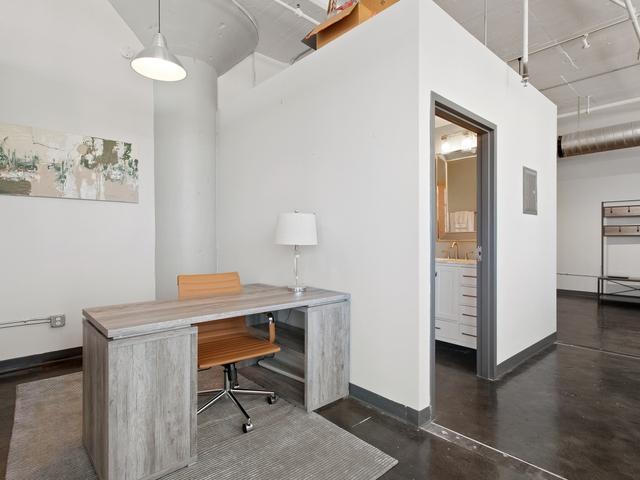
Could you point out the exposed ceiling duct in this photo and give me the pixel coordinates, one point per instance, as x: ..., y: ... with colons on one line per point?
x: 603, y: 139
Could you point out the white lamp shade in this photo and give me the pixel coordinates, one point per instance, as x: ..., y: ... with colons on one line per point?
x: 296, y: 228
x: 158, y: 63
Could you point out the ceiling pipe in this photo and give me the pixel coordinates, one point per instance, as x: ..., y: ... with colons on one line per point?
x: 250, y: 18
x: 297, y: 11
x: 633, y: 17
x: 566, y: 83
x: 625, y: 135
x: 620, y: 103
x: 525, y: 42
x: 572, y: 38
x: 486, y: 16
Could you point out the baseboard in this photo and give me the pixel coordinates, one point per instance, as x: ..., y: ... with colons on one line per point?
x: 14, y: 364
x: 524, y: 355
x: 577, y: 293
x: 406, y: 414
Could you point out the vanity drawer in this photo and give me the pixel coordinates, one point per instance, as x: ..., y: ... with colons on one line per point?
x: 469, y: 291
x: 467, y: 319
x: 446, y: 330
x: 468, y: 331
x: 468, y: 278
x: 467, y: 310
x: 468, y: 296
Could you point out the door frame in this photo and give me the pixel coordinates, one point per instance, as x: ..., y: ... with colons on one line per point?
x: 486, y: 362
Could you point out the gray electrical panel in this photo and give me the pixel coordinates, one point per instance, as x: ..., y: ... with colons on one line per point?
x: 530, y: 191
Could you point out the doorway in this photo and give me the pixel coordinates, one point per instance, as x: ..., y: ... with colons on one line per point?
x: 463, y: 226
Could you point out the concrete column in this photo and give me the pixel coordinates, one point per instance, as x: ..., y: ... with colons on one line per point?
x: 185, y: 146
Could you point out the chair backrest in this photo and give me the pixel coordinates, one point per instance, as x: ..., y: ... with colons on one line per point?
x: 213, y: 285
x: 208, y: 285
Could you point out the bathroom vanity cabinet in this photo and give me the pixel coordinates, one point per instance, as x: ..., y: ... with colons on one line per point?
x: 456, y: 302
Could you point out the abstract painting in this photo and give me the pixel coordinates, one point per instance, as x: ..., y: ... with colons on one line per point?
x: 42, y: 163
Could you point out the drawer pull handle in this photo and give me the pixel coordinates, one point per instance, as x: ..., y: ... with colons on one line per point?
x: 469, y: 335
x: 469, y: 276
x: 467, y: 315
x: 470, y: 296
x: 437, y: 328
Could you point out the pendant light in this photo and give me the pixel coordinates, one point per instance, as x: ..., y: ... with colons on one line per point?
x: 157, y: 62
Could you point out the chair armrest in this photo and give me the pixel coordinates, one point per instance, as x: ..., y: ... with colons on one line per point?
x: 272, y: 327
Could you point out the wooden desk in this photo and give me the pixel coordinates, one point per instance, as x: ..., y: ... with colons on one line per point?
x: 140, y: 372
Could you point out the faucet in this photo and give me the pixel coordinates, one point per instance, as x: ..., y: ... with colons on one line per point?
x: 457, y: 247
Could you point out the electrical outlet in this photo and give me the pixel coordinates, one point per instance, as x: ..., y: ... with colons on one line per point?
x: 57, y: 321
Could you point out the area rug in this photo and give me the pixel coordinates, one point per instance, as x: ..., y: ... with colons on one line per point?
x: 287, y: 443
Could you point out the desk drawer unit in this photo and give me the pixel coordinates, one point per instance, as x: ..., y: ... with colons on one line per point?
x: 149, y: 426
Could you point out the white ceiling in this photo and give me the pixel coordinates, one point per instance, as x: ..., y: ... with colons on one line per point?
x: 558, y: 71
x: 216, y: 31
x: 282, y: 31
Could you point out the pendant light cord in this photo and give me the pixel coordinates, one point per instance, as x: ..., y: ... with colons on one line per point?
x: 158, y: 16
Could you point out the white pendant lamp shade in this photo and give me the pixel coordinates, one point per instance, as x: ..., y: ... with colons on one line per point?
x: 296, y: 228
x: 158, y: 63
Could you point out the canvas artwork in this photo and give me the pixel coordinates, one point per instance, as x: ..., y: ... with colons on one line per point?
x: 43, y: 163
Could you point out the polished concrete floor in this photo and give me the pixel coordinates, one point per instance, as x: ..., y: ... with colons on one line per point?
x: 572, y: 410
x: 612, y: 327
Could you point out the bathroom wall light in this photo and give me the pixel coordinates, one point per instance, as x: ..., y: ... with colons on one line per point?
x: 468, y: 142
x: 445, y: 146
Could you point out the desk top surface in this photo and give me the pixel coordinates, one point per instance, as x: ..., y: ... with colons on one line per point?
x: 116, y: 321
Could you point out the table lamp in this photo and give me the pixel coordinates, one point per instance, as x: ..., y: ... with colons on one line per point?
x: 296, y: 229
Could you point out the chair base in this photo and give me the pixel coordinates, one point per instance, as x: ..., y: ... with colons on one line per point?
x: 231, y: 388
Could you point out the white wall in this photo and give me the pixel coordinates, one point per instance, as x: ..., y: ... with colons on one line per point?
x: 312, y: 139
x: 185, y: 146
x: 250, y: 72
x: 472, y: 76
x: 583, y: 183
x: 61, y: 69
x: 345, y: 133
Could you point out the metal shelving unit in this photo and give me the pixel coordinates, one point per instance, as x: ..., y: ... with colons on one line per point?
x: 614, y: 216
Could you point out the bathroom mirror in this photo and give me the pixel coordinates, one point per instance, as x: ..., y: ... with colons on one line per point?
x: 456, y: 184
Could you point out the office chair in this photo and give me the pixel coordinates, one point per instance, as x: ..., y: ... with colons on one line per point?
x: 226, y: 342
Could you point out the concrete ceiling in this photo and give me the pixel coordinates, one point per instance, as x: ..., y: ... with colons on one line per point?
x: 559, y: 72
x: 217, y: 32
x: 282, y: 31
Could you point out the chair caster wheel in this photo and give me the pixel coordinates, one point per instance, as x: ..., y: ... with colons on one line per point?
x: 272, y: 399
x: 247, y: 427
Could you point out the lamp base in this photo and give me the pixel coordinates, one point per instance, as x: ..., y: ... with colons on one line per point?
x: 297, y: 288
